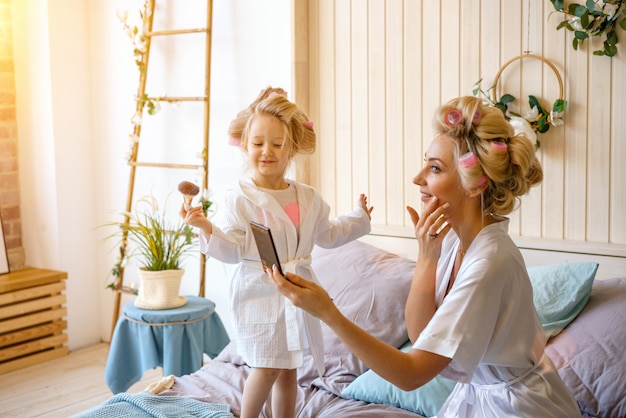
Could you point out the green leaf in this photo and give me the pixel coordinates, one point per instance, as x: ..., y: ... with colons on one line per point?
x: 579, y: 10
x: 533, y: 102
x: 564, y: 24
x: 542, y: 124
x: 622, y: 23
x: 591, y: 5
x: 571, y: 9
x: 506, y: 98
x: 581, y: 35
x: 559, y: 105
x: 575, y: 44
x: 610, y: 50
x: 558, y: 4
x: 611, y: 38
x: 584, y: 20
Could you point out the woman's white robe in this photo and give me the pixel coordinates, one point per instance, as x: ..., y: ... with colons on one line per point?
x: 488, y: 326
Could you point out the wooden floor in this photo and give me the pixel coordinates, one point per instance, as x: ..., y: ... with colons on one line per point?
x: 62, y: 387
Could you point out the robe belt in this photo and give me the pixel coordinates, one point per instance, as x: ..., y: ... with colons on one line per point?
x: 291, y: 312
x: 470, y: 389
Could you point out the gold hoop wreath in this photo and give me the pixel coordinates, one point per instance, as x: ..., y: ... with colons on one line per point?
x: 538, y: 118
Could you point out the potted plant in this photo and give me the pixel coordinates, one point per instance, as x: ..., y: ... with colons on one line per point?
x: 159, y: 246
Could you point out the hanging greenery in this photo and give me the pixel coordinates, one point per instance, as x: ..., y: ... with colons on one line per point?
x: 591, y: 19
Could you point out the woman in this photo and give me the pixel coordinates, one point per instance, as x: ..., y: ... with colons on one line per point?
x: 470, y: 310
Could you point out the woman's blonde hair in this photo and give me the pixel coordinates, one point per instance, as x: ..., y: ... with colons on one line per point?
x: 299, y: 133
x: 488, y: 153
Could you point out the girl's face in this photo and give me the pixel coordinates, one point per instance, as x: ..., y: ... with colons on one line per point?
x: 267, y: 155
x: 439, y: 176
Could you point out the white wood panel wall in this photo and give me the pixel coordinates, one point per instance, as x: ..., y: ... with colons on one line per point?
x: 377, y: 69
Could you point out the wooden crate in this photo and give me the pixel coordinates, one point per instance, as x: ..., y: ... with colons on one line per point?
x: 32, y: 324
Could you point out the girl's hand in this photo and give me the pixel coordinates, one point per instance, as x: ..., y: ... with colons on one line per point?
x: 304, y: 294
x: 431, y: 227
x: 196, y: 218
x: 363, y: 204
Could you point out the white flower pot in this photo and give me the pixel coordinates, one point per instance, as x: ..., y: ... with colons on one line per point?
x: 159, y: 289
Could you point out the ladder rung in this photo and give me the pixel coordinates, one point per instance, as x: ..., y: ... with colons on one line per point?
x: 179, y: 99
x: 165, y: 165
x: 176, y: 32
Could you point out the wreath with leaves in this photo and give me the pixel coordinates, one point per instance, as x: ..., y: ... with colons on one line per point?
x: 594, y: 18
x: 539, y: 118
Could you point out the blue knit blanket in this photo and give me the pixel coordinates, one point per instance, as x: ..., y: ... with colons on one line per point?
x: 146, y: 404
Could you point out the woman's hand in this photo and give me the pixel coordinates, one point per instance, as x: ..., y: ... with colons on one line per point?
x: 406, y: 370
x: 431, y: 227
x: 304, y: 294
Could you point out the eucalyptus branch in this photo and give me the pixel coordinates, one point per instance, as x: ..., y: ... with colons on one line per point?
x: 596, y: 18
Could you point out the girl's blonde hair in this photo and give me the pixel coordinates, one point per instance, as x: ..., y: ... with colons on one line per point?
x: 299, y: 134
x: 489, y: 153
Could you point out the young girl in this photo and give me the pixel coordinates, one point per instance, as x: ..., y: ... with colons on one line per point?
x: 271, y: 334
x: 470, y: 308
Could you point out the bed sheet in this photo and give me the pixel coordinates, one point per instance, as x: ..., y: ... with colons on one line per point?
x: 222, y: 379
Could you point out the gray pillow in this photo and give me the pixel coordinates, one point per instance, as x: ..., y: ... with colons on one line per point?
x: 370, y: 287
x: 591, y: 352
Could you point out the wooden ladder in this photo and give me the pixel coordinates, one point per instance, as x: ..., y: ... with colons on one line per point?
x: 146, y: 101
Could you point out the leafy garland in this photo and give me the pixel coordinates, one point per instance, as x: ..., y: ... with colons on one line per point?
x: 136, y: 32
x: 594, y: 18
x: 537, y: 120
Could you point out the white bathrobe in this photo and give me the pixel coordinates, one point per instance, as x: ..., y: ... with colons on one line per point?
x: 488, y: 326
x: 269, y: 330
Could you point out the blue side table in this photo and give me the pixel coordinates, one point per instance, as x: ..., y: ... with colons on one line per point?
x: 172, y: 338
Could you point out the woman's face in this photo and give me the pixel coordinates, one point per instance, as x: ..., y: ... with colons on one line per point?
x: 439, y: 177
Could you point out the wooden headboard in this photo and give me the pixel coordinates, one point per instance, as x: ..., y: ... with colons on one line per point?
x: 612, y: 263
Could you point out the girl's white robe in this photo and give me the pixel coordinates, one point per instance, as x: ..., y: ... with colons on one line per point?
x: 269, y: 330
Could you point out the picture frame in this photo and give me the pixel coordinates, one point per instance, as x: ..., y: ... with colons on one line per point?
x: 4, y: 259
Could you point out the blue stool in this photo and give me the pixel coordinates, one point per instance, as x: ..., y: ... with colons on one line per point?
x: 172, y: 338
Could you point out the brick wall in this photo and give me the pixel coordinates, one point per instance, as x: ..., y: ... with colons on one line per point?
x: 9, y: 179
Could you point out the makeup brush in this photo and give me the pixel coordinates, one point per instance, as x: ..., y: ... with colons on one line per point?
x: 189, y: 191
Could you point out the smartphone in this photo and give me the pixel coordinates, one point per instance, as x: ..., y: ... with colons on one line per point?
x: 265, y: 244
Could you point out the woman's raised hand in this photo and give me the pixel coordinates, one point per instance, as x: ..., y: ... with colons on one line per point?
x: 431, y: 227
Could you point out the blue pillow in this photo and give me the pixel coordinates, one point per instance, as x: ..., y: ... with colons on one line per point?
x: 426, y: 400
x: 560, y: 292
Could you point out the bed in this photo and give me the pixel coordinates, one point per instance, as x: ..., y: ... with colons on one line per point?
x: 584, y: 316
